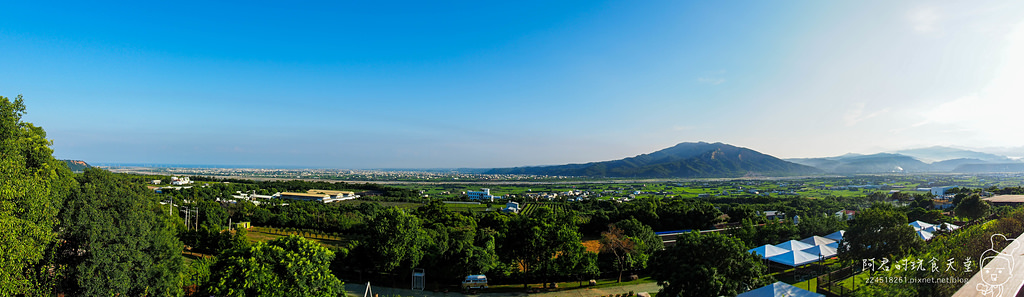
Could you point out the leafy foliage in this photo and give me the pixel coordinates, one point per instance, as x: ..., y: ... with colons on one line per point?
x: 456, y: 247
x: 543, y: 245
x: 118, y: 241
x: 395, y: 239
x: 708, y: 264
x: 287, y: 266
x: 621, y: 246
x: 33, y: 185
x: 879, y: 232
x: 972, y: 207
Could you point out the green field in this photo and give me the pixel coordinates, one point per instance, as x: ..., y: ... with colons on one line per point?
x: 263, y: 234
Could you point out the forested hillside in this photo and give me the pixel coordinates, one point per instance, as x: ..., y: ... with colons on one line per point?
x: 682, y: 160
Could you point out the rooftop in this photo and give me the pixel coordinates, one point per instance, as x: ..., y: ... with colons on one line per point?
x: 302, y: 194
x: 330, y: 192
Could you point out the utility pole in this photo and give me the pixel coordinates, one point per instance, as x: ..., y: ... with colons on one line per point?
x: 195, y: 220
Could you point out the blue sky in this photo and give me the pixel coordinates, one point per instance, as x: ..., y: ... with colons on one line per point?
x: 489, y: 84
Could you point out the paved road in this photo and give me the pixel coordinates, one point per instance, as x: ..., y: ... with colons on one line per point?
x: 359, y: 289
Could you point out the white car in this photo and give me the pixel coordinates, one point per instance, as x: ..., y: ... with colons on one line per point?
x: 476, y: 281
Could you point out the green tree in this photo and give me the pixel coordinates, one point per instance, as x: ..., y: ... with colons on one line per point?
x: 820, y: 224
x: 876, y: 196
x: 920, y: 214
x: 972, y: 207
x: 739, y: 212
x: 773, y: 232
x: 533, y: 244
x: 568, y: 255
x: 708, y: 264
x: 33, y: 185
x: 643, y: 235
x: 879, y: 232
x: 196, y: 275
x: 619, y: 245
x: 287, y: 266
x: 923, y: 201
x: 457, y: 248
x: 686, y: 214
x: 118, y: 240
x: 394, y: 239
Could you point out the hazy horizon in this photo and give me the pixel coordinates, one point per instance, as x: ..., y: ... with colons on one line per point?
x: 483, y: 85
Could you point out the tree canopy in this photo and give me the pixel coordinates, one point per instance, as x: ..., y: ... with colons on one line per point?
x: 708, y: 264
x: 972, y: 207
x: 33, y: 185
x: 287, y: 266
x: 118, y: 241
x: 879, y: 231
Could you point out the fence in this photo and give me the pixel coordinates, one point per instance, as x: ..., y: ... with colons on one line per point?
x: 832, y: 282
x: 315, y: 234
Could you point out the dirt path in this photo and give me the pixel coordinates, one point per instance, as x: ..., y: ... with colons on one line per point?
x: 358, y: 290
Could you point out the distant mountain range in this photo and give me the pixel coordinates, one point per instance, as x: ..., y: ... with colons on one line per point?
x: 941, y: 153
x: 936, y: 159
x: 711, y: 160
x: 686, y: 159
x: 702, y: 159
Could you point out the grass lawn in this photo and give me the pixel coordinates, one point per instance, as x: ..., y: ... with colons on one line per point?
x: 860, y: 280
x: 810, y: 285
x: 262, y: 235
x: 469, y: 207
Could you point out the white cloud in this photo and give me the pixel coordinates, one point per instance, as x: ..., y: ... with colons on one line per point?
x: 992, y: 116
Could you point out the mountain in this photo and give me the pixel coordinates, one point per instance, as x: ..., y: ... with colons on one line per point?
x: 76, y: 165
x: 942, y: 153
x: 985, y: 168
x: 876, y: 163
x: 1015, y: 153
x: 951, y: 165
x: 930, y: 159
x: 686, y: 159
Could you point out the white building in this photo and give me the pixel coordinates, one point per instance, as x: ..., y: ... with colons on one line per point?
x: 335, y: 195
x: 512, y: 207
x: 940, y: 191
x: 323, y: 196
x: 483, y: 194
x: 178, y: 181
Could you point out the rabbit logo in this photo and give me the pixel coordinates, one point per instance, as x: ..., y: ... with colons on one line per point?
x: 997, y: 267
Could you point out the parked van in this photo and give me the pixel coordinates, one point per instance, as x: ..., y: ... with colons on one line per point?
x: 476, y: 281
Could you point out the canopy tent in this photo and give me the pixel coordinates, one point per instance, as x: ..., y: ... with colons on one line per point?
x: 794, y: 245
x: 834, y: 245
x: 794, y: 258
x: 767, y: 251
x: 950, y: 227
x: 779, y: 289
x: 925, y: 235
x: 837, y: 236
x: 932, y: 229
x: 919, y: 225
x: 821, y: 251
x: 817, y: 240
